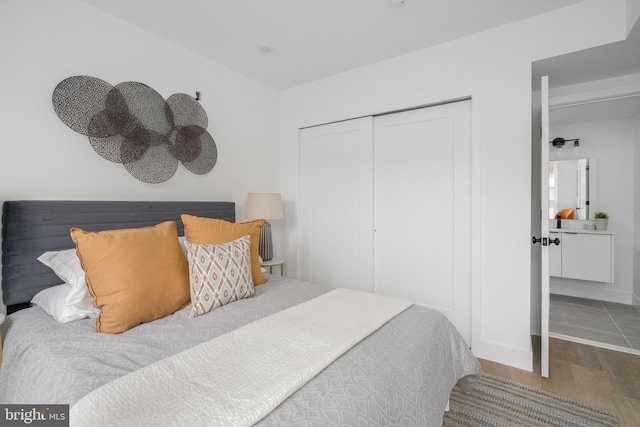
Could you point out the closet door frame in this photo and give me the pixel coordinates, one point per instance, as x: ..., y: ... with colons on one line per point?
x: 474, y: 94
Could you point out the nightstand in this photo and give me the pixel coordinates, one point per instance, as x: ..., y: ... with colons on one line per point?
x: 273, y: 263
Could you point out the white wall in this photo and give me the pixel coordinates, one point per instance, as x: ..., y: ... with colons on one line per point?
x: 633, y: 13
x: 612, y: 144
x: 43, y: 42
x: 636, y: 214
x: 495, y: 68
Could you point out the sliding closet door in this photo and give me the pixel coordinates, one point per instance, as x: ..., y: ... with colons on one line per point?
x: 336, y: 204
x: 423, y: 209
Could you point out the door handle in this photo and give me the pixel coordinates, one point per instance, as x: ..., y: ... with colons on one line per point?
x: 546, y: 241
x: 542, y: 240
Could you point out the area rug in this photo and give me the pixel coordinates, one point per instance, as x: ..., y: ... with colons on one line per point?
x: 501, y: 402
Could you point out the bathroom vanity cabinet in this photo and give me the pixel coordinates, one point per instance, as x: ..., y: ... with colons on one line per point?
x: 582, y: 255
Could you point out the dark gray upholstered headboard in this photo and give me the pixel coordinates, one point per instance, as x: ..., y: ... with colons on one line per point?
x: 31, y: 227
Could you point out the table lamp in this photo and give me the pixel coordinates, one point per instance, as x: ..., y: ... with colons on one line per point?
x: 265, y: 206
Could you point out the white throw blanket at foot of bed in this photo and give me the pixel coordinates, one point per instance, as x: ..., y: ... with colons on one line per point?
x: 240, y: 377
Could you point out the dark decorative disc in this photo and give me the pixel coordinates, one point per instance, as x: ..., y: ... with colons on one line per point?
x: 136, y: 143
x: 156, y: 164
x: 78, y: 99
x: 186, y: 146
x: 183, y: 110
x: 146, y: 105
x: 108, y: 148
x: 207, y: 158
x: 132, y: 124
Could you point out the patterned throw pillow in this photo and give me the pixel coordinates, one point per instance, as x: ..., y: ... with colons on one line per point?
x: 219, y: 274
x: 215, y: 231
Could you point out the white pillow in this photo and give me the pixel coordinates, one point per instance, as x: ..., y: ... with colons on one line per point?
x: 73, y: 296
x: 67, y: 267
x: 53, y: 301
x: 183, y: 239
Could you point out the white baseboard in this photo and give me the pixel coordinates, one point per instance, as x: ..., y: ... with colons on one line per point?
x: 506, y: 355
x: 583, y: 290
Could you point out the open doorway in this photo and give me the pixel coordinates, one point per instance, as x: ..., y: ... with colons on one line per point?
x: 594, y: 96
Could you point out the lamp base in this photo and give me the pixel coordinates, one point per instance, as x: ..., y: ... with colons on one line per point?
x: 266, y: 243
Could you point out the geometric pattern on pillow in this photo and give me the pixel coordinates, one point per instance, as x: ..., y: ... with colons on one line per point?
x: 219, y: 274
x: 209, y: 231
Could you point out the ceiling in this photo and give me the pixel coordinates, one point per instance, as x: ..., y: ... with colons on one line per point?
x: 598, y: 63
x: 311, y: 39
x: 601, y: 62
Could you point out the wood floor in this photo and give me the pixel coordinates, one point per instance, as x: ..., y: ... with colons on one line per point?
x: 604, y: 378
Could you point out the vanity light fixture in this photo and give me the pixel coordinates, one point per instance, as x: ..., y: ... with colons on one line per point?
x: 558, y: 143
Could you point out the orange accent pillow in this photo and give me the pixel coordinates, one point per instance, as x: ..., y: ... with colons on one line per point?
x: 209, y: 231
x: 135, y: 275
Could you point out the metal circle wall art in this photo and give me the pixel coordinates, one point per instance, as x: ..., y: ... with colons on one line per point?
x: 132, y: 124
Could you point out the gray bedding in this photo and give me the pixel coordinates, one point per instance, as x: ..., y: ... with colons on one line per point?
x: 400, y: 375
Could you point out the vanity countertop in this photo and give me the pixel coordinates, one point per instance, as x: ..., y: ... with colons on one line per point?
x: 579, y: 230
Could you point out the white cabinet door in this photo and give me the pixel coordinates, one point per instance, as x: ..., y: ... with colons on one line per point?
x: 336, y: 204
x: 587, y: 257
x: 423, y: 209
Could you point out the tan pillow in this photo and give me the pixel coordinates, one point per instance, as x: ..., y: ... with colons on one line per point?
x: 135, y: 275
x: 219, y: 274
x: 214, y: 231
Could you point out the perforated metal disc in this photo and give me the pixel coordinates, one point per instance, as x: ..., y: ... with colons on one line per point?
x: 146, y: 105
x: 76, y: 100
x: 132, y: 124
x: 208, y: 157
x: 182, y: 110
x: 155, y: 165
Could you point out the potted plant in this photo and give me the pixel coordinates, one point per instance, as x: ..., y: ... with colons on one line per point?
x: 601, y: 219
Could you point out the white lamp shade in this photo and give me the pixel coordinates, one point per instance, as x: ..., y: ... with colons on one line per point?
x: 264, y: 206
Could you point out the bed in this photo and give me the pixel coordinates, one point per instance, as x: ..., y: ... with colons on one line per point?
x: 400, y: 372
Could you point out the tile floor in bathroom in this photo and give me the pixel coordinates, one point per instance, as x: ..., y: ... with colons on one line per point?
x: 600, y: 321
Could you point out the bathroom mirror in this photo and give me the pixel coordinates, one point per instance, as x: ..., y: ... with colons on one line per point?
x: 570, y: 187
